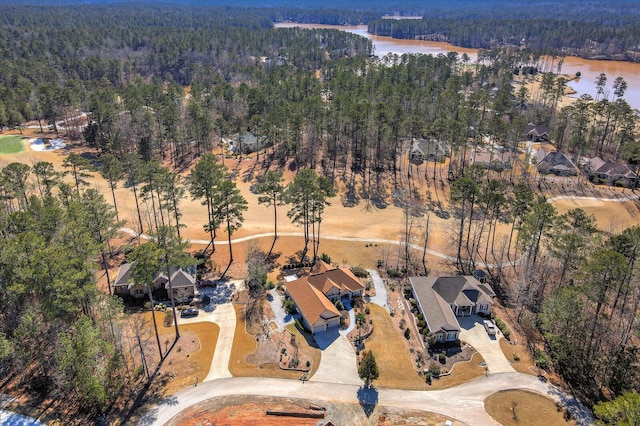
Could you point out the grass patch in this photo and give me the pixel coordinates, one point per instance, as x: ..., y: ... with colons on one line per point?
x: 392, y: 355
x: 197, y: 364
x: 462, y: 372
x: 522, y: 408
x: 511, y: 352
x: 10, y: 144
x: 245, y: 344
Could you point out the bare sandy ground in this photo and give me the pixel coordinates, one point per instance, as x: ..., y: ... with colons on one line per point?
x: 359, y: 221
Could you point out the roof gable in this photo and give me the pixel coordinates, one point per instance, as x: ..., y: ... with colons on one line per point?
x: 311, y: 302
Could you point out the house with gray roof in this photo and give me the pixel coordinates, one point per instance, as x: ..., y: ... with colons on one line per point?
x: 537, y: 133
x: 610, y: 173
x: 183, y: 282
x: 428, y: 150
x: 556, y: 163
x: 442, y: 299
x: 497, y: 161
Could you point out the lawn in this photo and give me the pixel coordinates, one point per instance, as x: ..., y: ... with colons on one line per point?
x: 520, y: 350
x: 392, y: 354
x: 10, y: 144
x: 189, y: 365
x: 522, y: 408
x: 245, y: 344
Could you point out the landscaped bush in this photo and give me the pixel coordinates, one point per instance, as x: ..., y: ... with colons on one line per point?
x: 434, y: 369
x: 301, y: 327
x: 339, y: 305
x: 325, y: 258
x: 442, y: 357
x: 422, y: 323
x: 168, y: 318
x: 394, y: 272
x: 289, y: 306
x: 407, y: 333
x: 419, y: 317
x: 503, y: 328
x: 359, y: 272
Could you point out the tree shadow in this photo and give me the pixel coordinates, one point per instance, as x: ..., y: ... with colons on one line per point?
x: 368, y: 399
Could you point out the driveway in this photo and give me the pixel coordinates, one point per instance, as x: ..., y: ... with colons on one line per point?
x: 338, y: 363
x: 474, y: 333
x: 381, y: 298
x: 219, y: 311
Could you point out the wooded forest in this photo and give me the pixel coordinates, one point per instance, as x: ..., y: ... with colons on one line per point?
x: 161, y: 87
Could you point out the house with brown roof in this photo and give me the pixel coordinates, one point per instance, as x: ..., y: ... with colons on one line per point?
x: 442, y: 299
x: 316, y: 293
x: 183, y: 282
x: 609, y: 173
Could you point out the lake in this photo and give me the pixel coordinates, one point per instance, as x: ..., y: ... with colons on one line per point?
x: 589, y: 69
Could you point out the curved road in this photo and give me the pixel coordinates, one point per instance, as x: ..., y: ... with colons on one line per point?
x: 464, y: 403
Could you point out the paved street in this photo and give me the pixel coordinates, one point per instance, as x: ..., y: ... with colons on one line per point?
x: 464, y: 403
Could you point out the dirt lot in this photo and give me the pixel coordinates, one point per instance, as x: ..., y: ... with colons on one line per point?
x: 249, y: 411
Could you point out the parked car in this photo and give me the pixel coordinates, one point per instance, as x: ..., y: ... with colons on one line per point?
x: 490, y: 327
x: 189, y: 312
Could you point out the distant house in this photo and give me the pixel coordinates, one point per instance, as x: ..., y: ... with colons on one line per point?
x: 537, y: 133
x: 442, y: 299
x: 243, y: 143
x: 556, y: 163
x: 316, y: 293
x: 610, y: 173
x: 492, y: 160
x: 183, y: 282
x: 428, y: 150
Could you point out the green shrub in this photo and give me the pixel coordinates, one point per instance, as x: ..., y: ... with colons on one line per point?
x: 407, y: 334
x: 434, y: 369
x: 442, y: 358
x: 139, y: 371
x: 367, y: 285
x: 168, y: 318
x: 516, y: 357
x: 359, y: 272
x: 541, y: 359
x: 325, y: 258
x: 289, y: 306
x: 394, y: 272
x: 503, y: 328
x: 422, y: 323
x: 428, y: 377
x: 419, y: 317
x: 339, y: 305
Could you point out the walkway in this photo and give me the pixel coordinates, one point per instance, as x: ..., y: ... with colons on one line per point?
x: 352, y: 317
x: 381, y: 298
x: 465, y: 403
x: 281, y: 316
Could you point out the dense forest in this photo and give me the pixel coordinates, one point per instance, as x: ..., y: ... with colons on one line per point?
x: 161, y: 87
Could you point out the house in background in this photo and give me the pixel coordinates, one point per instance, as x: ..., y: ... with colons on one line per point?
x: 610, y: 173
x: 556, y: 163
x: 183, y: 282
x: 538, y: 133
x: 428, y: 150
x: 497, y: 161
x: 243, y: 143
x: 316, y: 293
x: 442, y: 299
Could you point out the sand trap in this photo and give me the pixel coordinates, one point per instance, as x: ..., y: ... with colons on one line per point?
x: 40, y: 144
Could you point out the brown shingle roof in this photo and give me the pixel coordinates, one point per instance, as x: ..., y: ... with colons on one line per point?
x: 313, y: 305
x: 342, y: 278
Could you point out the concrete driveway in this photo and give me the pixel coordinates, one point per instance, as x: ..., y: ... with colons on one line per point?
x: 474, y: 333
x: 8, y: 418
x: 221, y: 312
x: 282, y: 318
x: 338, y: 363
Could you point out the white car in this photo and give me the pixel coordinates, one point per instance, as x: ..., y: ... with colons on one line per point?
x: 490, y: 327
